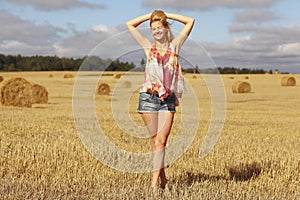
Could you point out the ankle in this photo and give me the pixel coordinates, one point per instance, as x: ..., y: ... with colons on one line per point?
x: 163, y: 183
x: 154, y: 185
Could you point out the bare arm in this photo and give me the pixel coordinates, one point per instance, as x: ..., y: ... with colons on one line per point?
x: 136, y: 34
x: 186, y: 30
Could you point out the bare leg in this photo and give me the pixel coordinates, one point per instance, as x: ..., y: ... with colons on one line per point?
x: 165, y: 121
x: 159, y: 126
x: 151, y: 121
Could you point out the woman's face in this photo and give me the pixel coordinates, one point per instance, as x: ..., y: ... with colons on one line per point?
x: 158, y: 30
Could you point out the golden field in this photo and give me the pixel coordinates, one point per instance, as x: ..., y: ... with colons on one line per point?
x: 256, y: 157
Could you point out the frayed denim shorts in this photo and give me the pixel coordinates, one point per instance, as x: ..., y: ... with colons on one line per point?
x: 149, y: 102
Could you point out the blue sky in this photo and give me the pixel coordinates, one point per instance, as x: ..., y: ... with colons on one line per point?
x: 249, y: 33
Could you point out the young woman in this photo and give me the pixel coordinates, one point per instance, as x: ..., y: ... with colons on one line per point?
x: 163, y: 82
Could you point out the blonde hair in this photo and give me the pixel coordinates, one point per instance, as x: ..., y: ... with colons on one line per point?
x: 159, y: 15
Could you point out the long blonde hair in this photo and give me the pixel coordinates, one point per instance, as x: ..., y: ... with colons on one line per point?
x: 159, y: 15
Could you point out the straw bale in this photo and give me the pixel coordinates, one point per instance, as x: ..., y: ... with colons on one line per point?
x: 103, y: 89
x: 39, y: 94
x: 127, y: 84
x: 68, y: 76
x: 16, y: 92
x: 241, y: 87
x: 1, y: 79
x: 288, y: 81
x: 118, y: 76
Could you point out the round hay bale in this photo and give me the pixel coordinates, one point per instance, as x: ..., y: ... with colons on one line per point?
x: 241, y: 87
x: 127, y: 84
x: 288, y: 81
x: 194, y: 76
x: 39, y: 94
x: 50, y: 75
x: 68, y: 76
x: 1, y: 79
x: 16, y: 92
x: 117, y: 76
x: 103, y: 89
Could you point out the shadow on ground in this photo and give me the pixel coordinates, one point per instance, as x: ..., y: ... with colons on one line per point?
x: 244, y: 172
x: 241, y: 172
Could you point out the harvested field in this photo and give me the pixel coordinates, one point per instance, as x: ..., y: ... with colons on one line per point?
x: 256, y: 157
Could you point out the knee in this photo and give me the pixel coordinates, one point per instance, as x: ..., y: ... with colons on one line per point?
x: 160, y: 142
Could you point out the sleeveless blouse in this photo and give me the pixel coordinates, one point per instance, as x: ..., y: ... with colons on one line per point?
x: 163, y: 75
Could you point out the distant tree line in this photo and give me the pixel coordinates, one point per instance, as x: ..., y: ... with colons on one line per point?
x: 55, y: 63
x: 95, y: 63
x: 38, y: 63
x: 233, y: 70
x: 226, y: 70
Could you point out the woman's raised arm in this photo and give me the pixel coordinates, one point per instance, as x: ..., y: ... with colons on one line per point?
x: 185, y: 31
x: 136, y: 34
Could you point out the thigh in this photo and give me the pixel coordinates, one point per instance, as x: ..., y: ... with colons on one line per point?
x: 151, y: 121
x: 165, y: 121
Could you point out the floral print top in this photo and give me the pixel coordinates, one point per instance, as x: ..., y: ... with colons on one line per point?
x: 163, y: 74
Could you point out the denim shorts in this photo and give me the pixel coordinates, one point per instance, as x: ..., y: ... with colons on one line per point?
x: 152, y: 103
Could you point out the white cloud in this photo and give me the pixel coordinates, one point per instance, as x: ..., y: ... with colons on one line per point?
x: 262, y: 47
x: 11, y: 44
x: 238, y: 39
x: 24, y: 37
x: 206, y: 4
x: 81, y: 43
x: 60, y: 50
x: 56, y: 4
x: 290, y: 48
x: 251, y: 44
x: 20, y: 36
x: 16, y: 29
x: 14, y: 47
x: 270, y: 34
x: 100, y: 28
x: 255, y: 15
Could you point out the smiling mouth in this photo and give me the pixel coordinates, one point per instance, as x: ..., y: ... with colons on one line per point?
x: 158, y: 34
